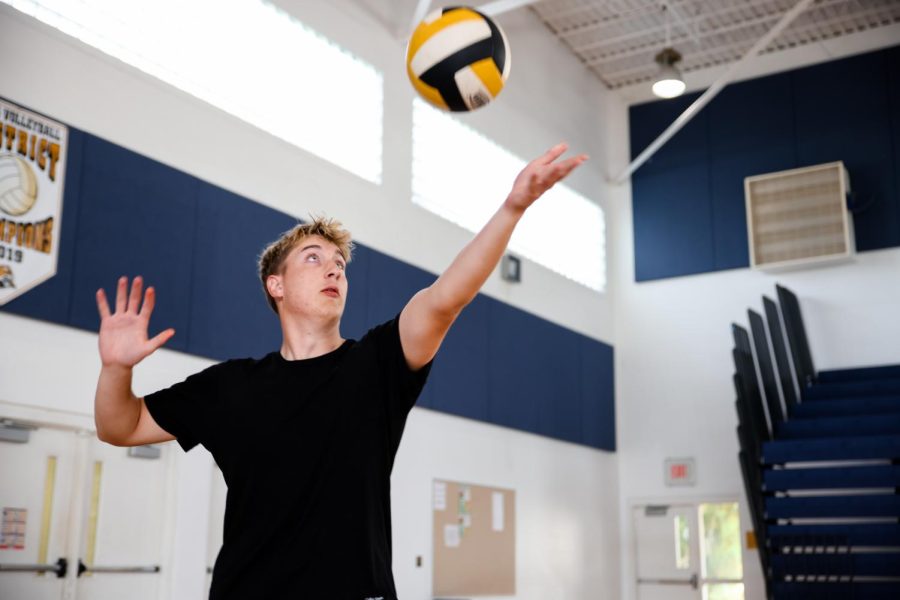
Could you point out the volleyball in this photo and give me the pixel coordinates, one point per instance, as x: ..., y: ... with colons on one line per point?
x: 18, y: 186
x: 458, y: 59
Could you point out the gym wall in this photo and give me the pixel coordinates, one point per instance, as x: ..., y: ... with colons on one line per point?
x: 688, y: 199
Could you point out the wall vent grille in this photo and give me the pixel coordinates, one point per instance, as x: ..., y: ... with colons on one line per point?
x: 799, y: 217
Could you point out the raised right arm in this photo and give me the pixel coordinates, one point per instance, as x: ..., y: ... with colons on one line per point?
x: 122, y: 419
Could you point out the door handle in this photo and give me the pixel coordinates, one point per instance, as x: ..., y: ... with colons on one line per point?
x: 694, y: 581
x: 60, y: 568
x: 83, y: 568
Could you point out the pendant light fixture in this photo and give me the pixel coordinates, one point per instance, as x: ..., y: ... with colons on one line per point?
x: 668, y: 82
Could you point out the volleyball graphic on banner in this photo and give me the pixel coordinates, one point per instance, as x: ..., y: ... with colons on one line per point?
x: 18, y: 186
x: 458, y: 59
x: 32, y: 173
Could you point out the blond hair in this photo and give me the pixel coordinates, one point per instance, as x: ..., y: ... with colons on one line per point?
x: 271, y: 261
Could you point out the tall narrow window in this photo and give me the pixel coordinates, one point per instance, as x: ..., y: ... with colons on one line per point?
x: 462, y: 176
x: 246, y: 57
x: 720, y: 551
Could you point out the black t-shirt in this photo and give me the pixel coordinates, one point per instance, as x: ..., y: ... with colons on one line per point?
x: 306, y: 448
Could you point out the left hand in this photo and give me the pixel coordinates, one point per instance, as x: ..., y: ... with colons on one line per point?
x: 540, y: 175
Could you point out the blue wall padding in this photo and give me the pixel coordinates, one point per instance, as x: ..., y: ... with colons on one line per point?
x: 197, y: 244
x: 893, y: 67
x: 229, y: 314
x: 598, y: 427
x: 841, y: 112
x: 688, y: 199
x: 531, y: 369
x: 459, y: 378
x: 136, y: 216
x: 767, y: 121
x: 355, y: 320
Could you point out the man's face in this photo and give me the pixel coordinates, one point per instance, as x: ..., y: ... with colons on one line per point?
x: 312, y: 280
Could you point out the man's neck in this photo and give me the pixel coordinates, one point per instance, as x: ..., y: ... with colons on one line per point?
x: 308, y: 338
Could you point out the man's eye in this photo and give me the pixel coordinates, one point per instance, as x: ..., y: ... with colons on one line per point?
x: 312, y: 257
x: 342, y: 266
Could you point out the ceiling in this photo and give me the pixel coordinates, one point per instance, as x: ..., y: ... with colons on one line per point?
x: 618, y: 39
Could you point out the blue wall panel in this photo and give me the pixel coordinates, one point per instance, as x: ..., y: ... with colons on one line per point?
x: 136, y: 217
x: 673, y: 222
x: 598, y: 406
x: 744, y: 118
x: 842, y: 114
x: 893, y: 68
x: 559, y: 401
x: 229, y: 314
x: 842, y: 110
x: 687, y: 147
x: 355, y: 321
x: 51, y: 300
x: 672, y: 206
x: 459, y: 379
x: 530, y: 365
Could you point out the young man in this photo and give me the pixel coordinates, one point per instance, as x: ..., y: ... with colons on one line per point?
x: 306, y: 436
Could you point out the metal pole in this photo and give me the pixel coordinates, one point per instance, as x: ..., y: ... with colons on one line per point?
x: 497, y: 7
x: 713, y: 90
x: 421, y: 10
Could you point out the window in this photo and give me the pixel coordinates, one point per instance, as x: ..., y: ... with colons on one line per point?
x: 720, y: 532
x: 462, y: 176
x: 246, y: 57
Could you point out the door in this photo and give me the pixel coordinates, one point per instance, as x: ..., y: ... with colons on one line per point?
x: 668, y: 557
x: 68, y: 498
x: 123, y: 515
x: 688, y: 551
x: 37, y: 471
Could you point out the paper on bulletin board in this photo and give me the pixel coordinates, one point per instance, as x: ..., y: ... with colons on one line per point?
x: 451, y: 536
x: 440, y: 495
x: 497, y: 511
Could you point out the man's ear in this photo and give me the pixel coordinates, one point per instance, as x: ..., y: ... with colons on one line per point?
x: 274, y: 285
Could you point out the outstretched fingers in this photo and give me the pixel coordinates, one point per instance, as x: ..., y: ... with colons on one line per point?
x: 102, y: 304
x: 552, y: 154
x: 149, y: 303
x: 567, y: 166
x: 161, y: 338
x: 134, y: 300
x: 121, y: 294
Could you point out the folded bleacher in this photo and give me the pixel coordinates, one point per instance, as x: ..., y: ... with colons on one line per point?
x: 820, y: 459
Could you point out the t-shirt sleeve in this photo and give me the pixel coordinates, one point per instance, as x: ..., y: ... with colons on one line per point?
x: 186, y: 409
x: 403, y: 384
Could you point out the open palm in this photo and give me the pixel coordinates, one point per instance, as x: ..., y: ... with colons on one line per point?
x: 123, y: 333
x: 540, y: 175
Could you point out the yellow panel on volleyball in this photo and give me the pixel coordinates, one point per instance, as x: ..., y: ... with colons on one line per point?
x: 489, y: 75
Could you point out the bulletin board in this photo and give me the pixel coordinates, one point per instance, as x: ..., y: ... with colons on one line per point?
x: 474, y: 540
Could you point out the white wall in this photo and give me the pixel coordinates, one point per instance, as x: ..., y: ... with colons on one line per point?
x: 567, y: 539
x: 674, y: 395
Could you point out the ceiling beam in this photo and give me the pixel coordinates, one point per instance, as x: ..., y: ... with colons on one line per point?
x: 497, y: 7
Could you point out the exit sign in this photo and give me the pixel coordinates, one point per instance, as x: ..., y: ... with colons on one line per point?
x: 680, y: 471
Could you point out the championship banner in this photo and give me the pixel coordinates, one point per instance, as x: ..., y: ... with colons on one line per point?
x: 32, y: 171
